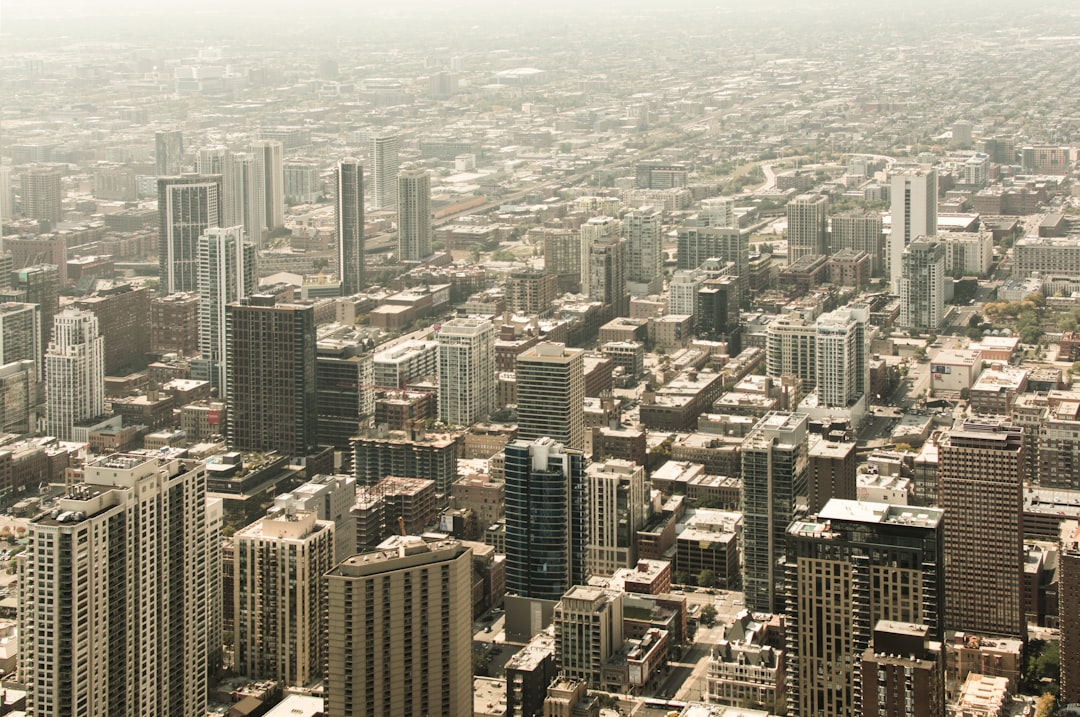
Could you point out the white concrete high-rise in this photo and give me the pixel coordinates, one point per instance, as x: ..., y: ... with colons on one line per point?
x: 914, y: 214
x: 618, y: 508
x: 250, y: 182
x: 349, y: 219
x: 219, y: 160
x: 466, y: 371
x: 841, y: 365
x: 808, y: 216
x: 414, y: 215
x: 591, y: 231
x: 116, y: 584
x: 74, y: 372
x: 169, y: 152
x: 227, y: 273
x: 645, y: 251
x: 384, y: 170
x: 718, y: 212
x: 269, y: 152
x: 5, y: 194
x: 551, y: 394
x: 922, y: 285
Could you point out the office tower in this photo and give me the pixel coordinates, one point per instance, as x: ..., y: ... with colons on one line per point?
x: 645, y: 251
x: 914, y: 214
x: 903, y: 671
x: 279, y: 596
x: 42, y: 195
x: 269, y: 154
x: 551, y: 394
x: 618, y: 508
x: 400, y: 632
x: 219, y: 160
x: 718, y: 212
x: 861, y: 231
x: 122, y: 310
x: 588, y: 633
x: 271, y: 376
x: 74, y: 372
x: 979, y: 472
x: 659, y: 175
x: 383, y: 155
x: 697, y: 243
x: 349, y: 221
x: 774, y: 465
x: 187, y: 206
x: 466, y: 371
x: 344, y: 378
x: 791, y: 349
x: 20, y: 334
x: 807, y: 216
x: 592, y: 231
x: 831, y: 472
x: 115, y: 615
x: 607, y: 275
x: 562, y: 257
x: 1069, y: 611
x: 250, y: 183
x: 546, y: 519
x: 169, y: 152
x: 922, y: 285
x: 848, y: 567
x: 227, y: 273
x: 414, y: 215
x: 842, y: 367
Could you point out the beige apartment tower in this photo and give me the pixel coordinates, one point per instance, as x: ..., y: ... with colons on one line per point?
x: 551, y: 394
x: 399, y: 625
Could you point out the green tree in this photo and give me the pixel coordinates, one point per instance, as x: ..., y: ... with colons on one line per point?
x: 707, y: 579
x: 680, y: 577
x: 708, y: 616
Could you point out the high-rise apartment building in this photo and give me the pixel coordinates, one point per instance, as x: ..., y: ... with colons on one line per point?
x: 383, y: 156
x: 302, y: 182
x: 831, y: 472
x: 645, y: 251
x: 588, y: 632
x: 250, y: 182
x: 914, y: 214
x: 774, y: 465
x: 271, y: 376
x: 20, y: 334
x: 562, y: 257
x: 330, y: 497
x: 1069, y: 611
x: 922, y: 285
x: 400, y: 632
x: 219, y: 160
x: 349, y: 219
x: 466, y: 371
x: 848, y: 567
x: 903, y: 672
x: 546, y: 519
x: 551, y: 394
x: 227, y: 273
x: 344, y: 379
x: 169, y: 152
x: 808, y: 216
x: 718, y: 212
x: 842, y: 351
x: 861, y: 231
x: 74, y: 372
x: 618, y: 508
x: 607, y: 275
x: 42, y: 194
x: 791, y: 349
x: 269, y: 154
x: 279, y: 596
x: 980, y: 469
x: 414, y: 214
x: 401, y: 363
x: 123, y: 310
x: 116, y: 585
x: 594, y: 230
x: 187, y: 207
x: 699, y: 242
x: 40, y: 284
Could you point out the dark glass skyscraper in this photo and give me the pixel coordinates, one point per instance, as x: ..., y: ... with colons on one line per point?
x: 546, y: 519
x: 349, y: 215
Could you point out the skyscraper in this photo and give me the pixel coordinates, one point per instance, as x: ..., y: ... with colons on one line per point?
x: 466, y: 371
x: 20, y: 334
x: 551, y: 394
x: 842, y: 367
x: 595, y: 229
x: 848, y: 567
x: 914, y: 214
x: 618, y: 508
x: 349, y: 218
x: 169, y: 152
x: 115, y: 616
x: 862, y: 231
x: 808, y: 216
x: 271, y: 376
x: 698, y: 242
x: 979, y: 472
x: 546, y: 519
x: 400, y: 632
x: 227, y: 273
x: 1069, y: 610
x: 219, y: 160
x: 384, y: 170
x: 607, y: 275
x: 269, y: 154
x: 74, y: 372
x: 922, y: 285
x: 251, y: 184
x: 40, y: 284
x: 187, y: 206
x: 644, y: 239
x: 774, y: 465
x: 42, y: 195
x: 279, y: 596
x: 414, y: 215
